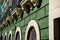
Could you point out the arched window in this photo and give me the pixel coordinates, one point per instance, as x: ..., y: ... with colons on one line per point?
x: 31, y: 34
x: 18, y: 34
x: 1, y: 37
x: 32, y: 31
x: 5, y: 36
x: 10, y: 35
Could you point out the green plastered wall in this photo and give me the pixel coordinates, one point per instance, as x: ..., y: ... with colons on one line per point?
x: 41, y: 15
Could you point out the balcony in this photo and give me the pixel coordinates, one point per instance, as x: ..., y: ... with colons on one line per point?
x: 30, y: 4
x: 26, y: 5
x: 10, y: 19
x: 4, y: 23
x: 17, y: 13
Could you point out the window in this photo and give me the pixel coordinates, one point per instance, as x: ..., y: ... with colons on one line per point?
x: 18, y: 2
x: 5, y: 0
x: 18, y: 34
x: 1, y: 38
x: 32, y: 31
x: 5, y: 36
x: 10, y: 2
x: 57, y: 29
x: 10, y: 35
x: 31, y: 34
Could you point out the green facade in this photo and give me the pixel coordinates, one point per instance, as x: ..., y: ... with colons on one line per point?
x: 42, y: 17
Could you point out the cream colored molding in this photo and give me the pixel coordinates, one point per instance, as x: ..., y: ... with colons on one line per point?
x: 18, y: 30
x: 54, y: 12
x: 5, y: 22
x: 10, y: 18
x: 24, y: 3
x: 18, y: 12
x: 5, y: 35
x: 4, y: 6
x: 35, y: 25
x: 10, y: 33
x: 35, y: 2
x: 0, y: 26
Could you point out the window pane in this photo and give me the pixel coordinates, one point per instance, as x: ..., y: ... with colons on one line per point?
x: 5, y: 37
x: 17, y: 36
x: 10, y: 37
x: 33, y: 35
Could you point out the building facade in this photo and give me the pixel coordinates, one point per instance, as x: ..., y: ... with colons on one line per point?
x: 54, y: 20
x: 25, y: 20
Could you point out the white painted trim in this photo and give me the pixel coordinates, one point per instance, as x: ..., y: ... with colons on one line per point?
x: 54, y: 12
x: 9, y: 34
x: 5, y: 35
x: 18, y: 29
x: 35, y: 25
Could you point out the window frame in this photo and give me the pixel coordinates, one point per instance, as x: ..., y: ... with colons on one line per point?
x: 33, y: 23
x: 18, y: 30
x: 10, y: 33
x: 4, y: 36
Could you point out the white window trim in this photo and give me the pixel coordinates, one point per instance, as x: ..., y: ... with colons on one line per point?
x: 9, y: 34
x: 18, y: 30
x: 5, y: 35
x: 35, y: 25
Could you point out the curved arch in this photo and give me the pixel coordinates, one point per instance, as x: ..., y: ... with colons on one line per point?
x: 1, y: 37
x: 10, y: 35
x: 5, y: 36
x: 33, y: 24
x: 18, y: 34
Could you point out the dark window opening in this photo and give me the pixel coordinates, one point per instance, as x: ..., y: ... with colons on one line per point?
x: 18, y: 1
x: 31, y: 34
x: 10, y: 37
x: 57, y: 29
x: 5, y: 37
x: 17, y: 36
x: 1, y: 38
x: 15, y: 16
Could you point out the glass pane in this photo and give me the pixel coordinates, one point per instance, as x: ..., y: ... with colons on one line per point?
x: 33, y: 35
x: 5, y: 38
x: 10, y: 37
x: 17, y: 36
